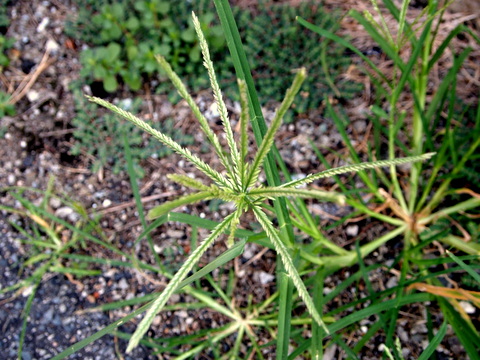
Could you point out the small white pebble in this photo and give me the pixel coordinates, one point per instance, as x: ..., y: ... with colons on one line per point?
x: 469, y: 308
x: 43, y: 25
x: 52, y: 46
x: 265, y: 278
x: 27, y: 291
x: 123, y: 284
x: 352, y: 230
x: 241, y: 273
x: 106, y: 203
x: 63, y: 212
x: 182, y: 314
x: 55, y: 202
x: 11, y: 179
x: 392, y: 282
x: 23, y: 144
x: 327, y: 290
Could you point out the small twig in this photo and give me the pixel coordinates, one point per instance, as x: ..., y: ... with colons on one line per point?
x: 29, y: 80
x: 256, y: 257
x: 55, y: 133
x: 132, y: 202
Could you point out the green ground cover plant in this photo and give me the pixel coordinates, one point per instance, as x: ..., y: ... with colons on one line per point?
x: 272, y: 35
x: 49, y: 249
x: 6, y: 109
x: 6, y: 43
x: 124, y: 48
x: 127, y: 35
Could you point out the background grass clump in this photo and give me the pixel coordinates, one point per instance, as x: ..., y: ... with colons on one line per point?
x: 276, y: 44
x: 6, y: 43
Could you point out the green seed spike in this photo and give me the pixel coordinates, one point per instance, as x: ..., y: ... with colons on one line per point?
x: 164, y: 139
x: 357, y: 167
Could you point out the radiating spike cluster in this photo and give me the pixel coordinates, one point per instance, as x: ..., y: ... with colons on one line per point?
x: 239, y: 184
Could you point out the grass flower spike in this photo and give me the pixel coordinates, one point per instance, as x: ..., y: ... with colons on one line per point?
x: 239, y: 184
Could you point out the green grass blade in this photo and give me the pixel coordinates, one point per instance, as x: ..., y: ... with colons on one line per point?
x: 378, y: 38
x: 327, y: 34
x: 106, y: 330
x: 136, y: 195
x: 225, y: 257
x: 441, y: 49
x: 316, y: 348
x: 464, y: 266
x: 376, y: 309
x: 468, y: 337
x: 437, y: 339
x: 25, y: 314
x: 285, y: 304
x: 195, y: 221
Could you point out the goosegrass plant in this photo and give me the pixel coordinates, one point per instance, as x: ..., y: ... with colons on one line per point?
x: 51, y: 246
x: 238, y: 183
x: 425, y: 208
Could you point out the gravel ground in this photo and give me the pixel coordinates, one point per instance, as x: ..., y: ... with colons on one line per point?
x: 54, y: 322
